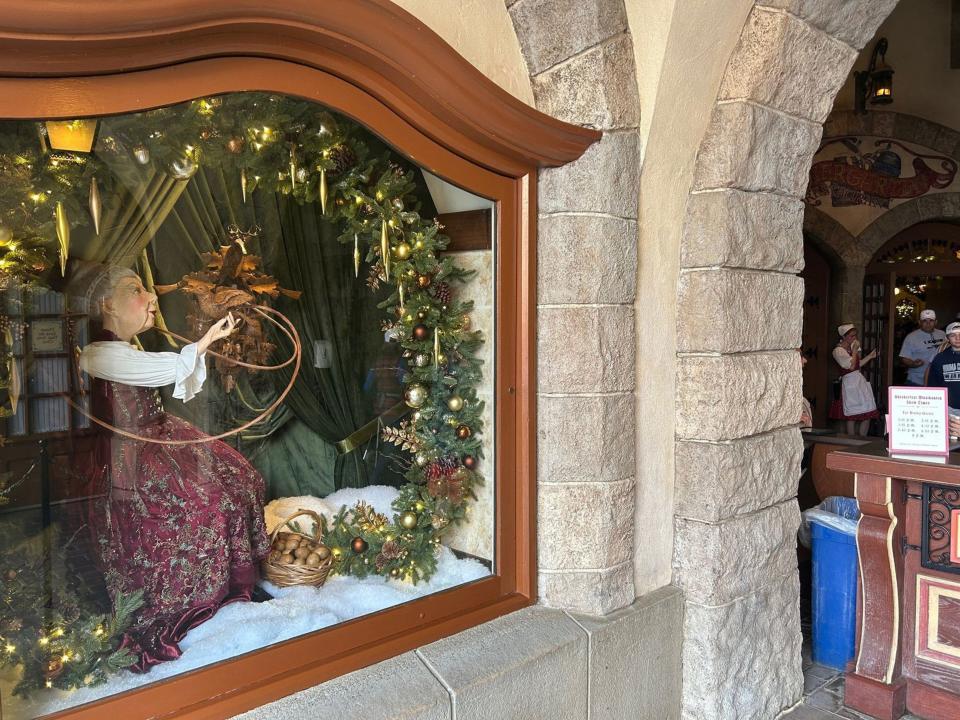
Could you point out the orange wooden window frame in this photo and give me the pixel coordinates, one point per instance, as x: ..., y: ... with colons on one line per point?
x: 377, y: 64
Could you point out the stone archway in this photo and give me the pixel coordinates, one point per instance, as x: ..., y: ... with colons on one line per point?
x: 738, y: 386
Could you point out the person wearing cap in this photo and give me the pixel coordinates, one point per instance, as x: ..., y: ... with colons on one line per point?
x: 856, y: 405
x: 920, y: 347
x: 945, y: 367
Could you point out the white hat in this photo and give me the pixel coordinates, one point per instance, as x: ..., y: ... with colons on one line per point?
x: 844, y: 329
x: 928, y: 315
x: 953, y: 327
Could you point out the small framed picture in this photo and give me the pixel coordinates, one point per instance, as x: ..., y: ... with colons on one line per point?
x: 46, y: 336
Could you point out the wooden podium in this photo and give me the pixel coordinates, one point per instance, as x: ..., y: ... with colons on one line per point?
x: 908, y: 599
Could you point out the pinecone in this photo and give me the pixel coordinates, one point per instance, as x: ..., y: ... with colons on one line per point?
x: 390, y: 550
x: 443, y: 293
x: 342, y: 158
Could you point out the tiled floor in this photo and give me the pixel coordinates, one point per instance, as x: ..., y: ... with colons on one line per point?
x: 823, y: 695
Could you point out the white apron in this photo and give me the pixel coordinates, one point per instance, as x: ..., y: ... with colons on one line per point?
x: 857, y: 394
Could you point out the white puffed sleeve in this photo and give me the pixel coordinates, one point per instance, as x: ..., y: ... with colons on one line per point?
x: 842, y: 357
x: 120, y: 362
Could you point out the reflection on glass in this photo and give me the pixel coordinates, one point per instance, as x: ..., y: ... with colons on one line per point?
x: 246, y: 389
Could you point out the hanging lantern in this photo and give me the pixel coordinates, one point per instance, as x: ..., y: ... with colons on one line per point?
x: 71, y: 135
x: 875, y: 84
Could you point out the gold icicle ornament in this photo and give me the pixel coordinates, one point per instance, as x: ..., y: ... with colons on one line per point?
x: 436, y: 347
x: 356, y: 256
x: 13, y: 372
x: 95, y: 205
x: 243, y: 184
x: 293, y: 167
x: 400, y: 292
x: 385, y: 249
x: 323, y: 191
x: 63, y: 236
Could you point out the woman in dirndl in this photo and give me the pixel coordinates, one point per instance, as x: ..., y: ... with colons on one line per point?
x: 856, y: 404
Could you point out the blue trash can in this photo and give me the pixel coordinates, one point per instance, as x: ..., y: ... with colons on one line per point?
x: 833, y: 525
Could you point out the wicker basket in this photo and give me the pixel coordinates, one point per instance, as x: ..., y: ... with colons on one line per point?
x: 288, y: 575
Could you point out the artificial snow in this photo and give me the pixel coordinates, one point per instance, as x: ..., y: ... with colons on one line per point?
x: 242, y: 627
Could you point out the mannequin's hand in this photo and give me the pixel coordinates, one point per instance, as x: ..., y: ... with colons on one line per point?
x: 217, y: 331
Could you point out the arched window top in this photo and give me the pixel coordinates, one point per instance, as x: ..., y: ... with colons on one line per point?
x: 377, y: 46
x: 922, y: 244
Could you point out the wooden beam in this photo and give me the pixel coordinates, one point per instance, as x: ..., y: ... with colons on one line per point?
x: 467, y: 230
x: 954, y: 34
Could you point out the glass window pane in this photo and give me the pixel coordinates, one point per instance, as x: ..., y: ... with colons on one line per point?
x: 247, y: 388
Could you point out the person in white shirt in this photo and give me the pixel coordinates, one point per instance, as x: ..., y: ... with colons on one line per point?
x: 920, y: 346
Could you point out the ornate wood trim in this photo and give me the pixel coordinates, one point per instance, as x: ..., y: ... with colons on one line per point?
x: 374, y: 44
x: 881, y: 570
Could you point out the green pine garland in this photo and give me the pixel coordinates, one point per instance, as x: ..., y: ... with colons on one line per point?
x: 60, y: 639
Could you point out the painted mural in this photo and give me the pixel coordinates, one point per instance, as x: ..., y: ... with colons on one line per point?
x: 856, y: 179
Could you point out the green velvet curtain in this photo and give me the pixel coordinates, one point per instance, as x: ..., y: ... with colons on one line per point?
x: 133, y: 211
x: 295, y: 449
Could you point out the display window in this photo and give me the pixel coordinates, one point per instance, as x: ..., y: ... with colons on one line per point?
x: 267, y: 368
x: 253, y: 376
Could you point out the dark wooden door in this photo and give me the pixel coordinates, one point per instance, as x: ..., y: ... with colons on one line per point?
x: 875, y: 333
x: 816, y: 332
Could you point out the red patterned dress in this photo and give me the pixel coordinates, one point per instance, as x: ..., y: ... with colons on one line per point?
x: 182, y: 522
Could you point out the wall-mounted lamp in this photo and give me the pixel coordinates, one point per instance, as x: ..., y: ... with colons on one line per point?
x: 71, y: 135
x: 875, y: 84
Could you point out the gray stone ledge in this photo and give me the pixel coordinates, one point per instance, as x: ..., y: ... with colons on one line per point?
x: 737, y: 477
x: 530, y: 664
x: 400, y: 688
x: 597, y: 88
x: 783, y: 62
x: 635, y: 658
x: 551, y: 31
x: 597, y: 592
x: 852, y: 21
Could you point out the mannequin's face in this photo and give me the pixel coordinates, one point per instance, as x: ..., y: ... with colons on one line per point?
x: 130, y: 309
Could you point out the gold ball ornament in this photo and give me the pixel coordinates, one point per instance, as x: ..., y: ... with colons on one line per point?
x: 6, y: 234
x: 235, y: 145
x: 401, y: 251
x: 408, y: 520
x: 465, y: 322
x: 421, y: 359
x: 441, y: 359
x: 423, y: 281
x: 416, y: 395
x: 421, y: 460
x: 464, y: 431
x: 455, y: 403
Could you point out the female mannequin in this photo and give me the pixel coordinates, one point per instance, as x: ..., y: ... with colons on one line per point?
x: 184, y: 523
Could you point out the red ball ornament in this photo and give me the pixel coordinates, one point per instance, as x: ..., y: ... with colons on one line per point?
x: 463, y: 432
x: 359, y: 545
x: 469, y: 462
x: 420, y: 332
